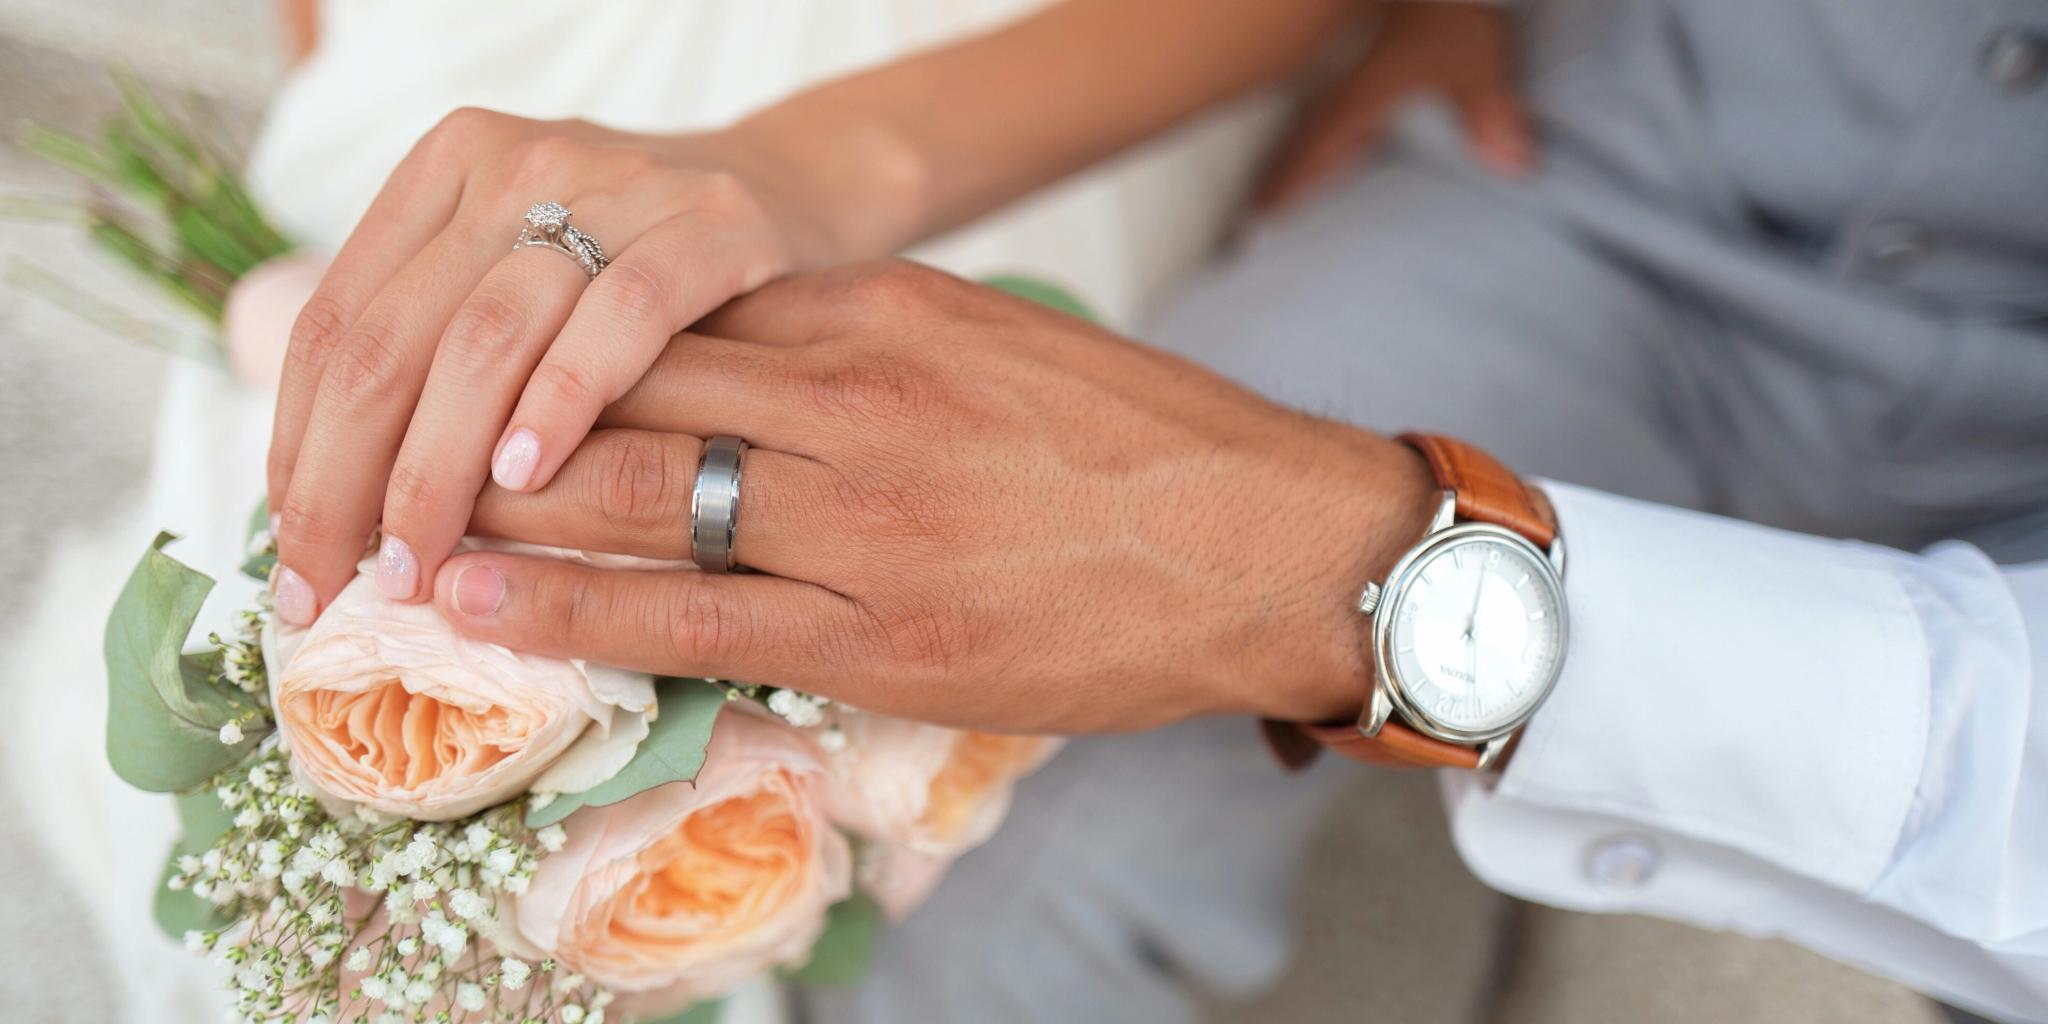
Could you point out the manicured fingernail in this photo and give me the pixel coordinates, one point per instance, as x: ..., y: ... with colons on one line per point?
x: 294, y: 598
x: 274, y: 520
x: 479, y: 590
x: 398, y: 571
x: 516, y: 458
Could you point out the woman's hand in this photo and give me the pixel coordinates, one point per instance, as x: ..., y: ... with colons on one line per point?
x: 433, y: 352
x: 966, y: 509
x: 1463, y: 51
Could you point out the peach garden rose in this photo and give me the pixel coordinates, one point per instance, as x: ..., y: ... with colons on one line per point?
x: 924, y: 795
x: 385, y: 706
x: 689, y: 889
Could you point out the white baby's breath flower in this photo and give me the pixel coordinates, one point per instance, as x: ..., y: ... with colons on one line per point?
x: 467, y: 904
x: 231, y: 733
x: 248, y: 818
x: 552, y: 838
x: 469, y: 996
x: 572, y: 1014
x: 800, y: 710
x: 502, y: 860
x: 418, y: 992
x: 514, y: 973
x: 358, y: 959
x: 336, y: 872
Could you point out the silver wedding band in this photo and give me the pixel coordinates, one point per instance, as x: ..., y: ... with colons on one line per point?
x: 547, y: 226
x: 715, y: 503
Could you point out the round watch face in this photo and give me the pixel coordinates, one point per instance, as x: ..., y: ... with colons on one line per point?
x: 1473, y: 633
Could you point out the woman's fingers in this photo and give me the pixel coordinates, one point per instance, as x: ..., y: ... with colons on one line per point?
x: 1342, y: 128
x: 483, y: 359
x: 1497, y: 128
x: 761, y: 629
x: 367, y: 391
x: 413, y: 206
x: 628, y: 492
x: 681, y: 269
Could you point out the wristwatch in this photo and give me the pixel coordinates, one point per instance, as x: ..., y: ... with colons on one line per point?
x: 1469, y: 629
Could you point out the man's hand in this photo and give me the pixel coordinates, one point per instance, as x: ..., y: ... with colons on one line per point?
x: 1463, y: 51
x: 964, y: 508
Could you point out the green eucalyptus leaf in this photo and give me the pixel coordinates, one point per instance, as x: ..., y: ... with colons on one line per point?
x: 163, y: 713
x: 257, y: 566
x: 204, y: 819
x: 1044, y: 293
x: 842, y: 953
x: 706, y: 1012
x: 672, y: 752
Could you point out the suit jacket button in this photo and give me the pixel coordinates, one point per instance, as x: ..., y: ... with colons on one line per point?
x: 2016, y: 60
x: 1892, y: 247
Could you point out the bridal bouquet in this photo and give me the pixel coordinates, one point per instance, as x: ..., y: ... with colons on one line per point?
x: 387, y: 821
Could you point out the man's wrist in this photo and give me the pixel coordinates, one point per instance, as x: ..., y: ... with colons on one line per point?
x: 1390, y: 495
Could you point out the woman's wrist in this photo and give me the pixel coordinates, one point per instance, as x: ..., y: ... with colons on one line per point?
x: 857, y: 187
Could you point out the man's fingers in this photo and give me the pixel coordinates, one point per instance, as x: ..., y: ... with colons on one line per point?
x: 628, y: 492
x: 758, y: 629
x: 675, y: 273
x: 708, y: 386
x: 484, y: 357
x: 1497, y: 129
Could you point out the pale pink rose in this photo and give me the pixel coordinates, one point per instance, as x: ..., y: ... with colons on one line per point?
x: 690, y: 889
x: 383, y: 705
x: 924, y: 795
x: 256, y: 322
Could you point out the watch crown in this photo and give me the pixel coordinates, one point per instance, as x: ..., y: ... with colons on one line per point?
x: 1369, y: 598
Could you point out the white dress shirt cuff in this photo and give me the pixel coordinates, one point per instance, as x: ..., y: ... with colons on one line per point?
x: 1756, y: 690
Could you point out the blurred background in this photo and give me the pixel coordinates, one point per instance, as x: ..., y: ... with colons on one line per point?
x: 78, y: 409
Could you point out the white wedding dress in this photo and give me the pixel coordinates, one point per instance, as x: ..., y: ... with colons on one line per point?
x: 385, y: 71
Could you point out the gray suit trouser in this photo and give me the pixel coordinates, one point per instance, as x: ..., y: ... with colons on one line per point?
x: 1785, y: 260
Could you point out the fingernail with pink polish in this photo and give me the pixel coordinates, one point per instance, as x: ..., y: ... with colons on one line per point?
x: 513, y: 468
x: 294, y: 598
x: 274, y: 521
x: 398, y: 571
x: 479, y: 590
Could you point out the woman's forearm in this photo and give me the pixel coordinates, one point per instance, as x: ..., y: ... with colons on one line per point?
x: 912, y: 148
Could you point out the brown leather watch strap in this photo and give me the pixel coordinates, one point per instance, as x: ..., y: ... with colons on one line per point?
x: 1486, y: 492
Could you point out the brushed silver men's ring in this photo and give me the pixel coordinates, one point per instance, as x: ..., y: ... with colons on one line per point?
x: 547, y: 226
x: 715, y: 503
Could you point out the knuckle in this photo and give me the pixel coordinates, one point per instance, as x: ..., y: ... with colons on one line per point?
x: 546, y: 158
x: 703, y: 627
x: 366, y: 364
x: 486, y: 329
x: 318, y: 328
x: 923, y: 638
x: 413, y: 488
x: 306, y: 522
x: 877, y: 386
x: 562, y: 385
x: 636, y: 482
x: 466, y: 123
x: 632, y: 293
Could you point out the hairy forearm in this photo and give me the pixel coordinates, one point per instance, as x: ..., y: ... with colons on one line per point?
x: 929, y: 142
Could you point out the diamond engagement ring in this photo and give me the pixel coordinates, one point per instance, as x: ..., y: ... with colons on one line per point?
x: 547, y: 226
x: 715, y: 503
